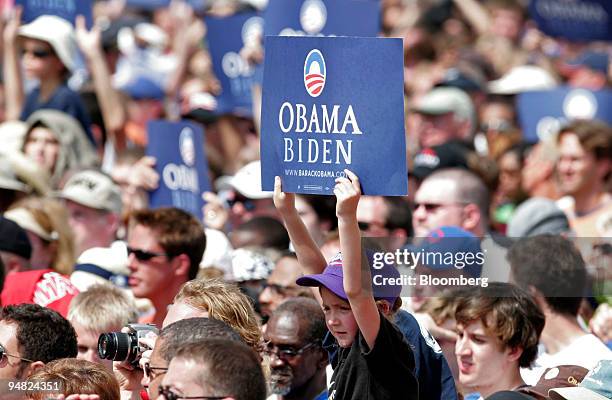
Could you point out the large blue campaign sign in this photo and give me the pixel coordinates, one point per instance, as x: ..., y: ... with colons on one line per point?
x: 576, y: 20
x: 67, y: 9
x: 543, y: 113
x: 181, y: 165
x: 322, y: 17
x: 226, y: 36
x: 197, y: 5
x: 331, y: 103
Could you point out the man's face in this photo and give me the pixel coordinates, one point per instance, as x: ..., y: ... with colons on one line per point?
x: 436, y: 206
x: 182, y: 379
x: 281, y: 285
x: 158, y: 371
x: 91, y: 227
x: 288, y: 373
x: 575, y: 167
x: 180, y: 310
x: 372, y: 215
x: 243, y: 209
x: 87, y: 341
x: 39, y: 59
x: 482, y: 360
x: 10, y: 367
x: 433, y: 130
x: 147, y: 277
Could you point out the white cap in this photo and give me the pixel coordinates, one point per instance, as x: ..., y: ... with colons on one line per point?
x: 247, y: 181
x: 523, y: 78
x: 93, y: 189
x: 58, y: 33
x: 25, y: 219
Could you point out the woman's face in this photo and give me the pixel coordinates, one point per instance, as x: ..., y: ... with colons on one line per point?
x: 43, y: 148
x: 39, y: 59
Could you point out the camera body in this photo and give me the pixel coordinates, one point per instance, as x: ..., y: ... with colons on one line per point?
x: 124, y: 347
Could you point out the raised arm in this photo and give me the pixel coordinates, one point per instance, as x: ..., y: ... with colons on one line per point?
x: 309, y: 256
x: 111, y: 106
x: 13, y: 83
x: 357, y: 278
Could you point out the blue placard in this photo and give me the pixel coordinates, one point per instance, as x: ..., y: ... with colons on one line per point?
x: 181, y: 165
x: 331, y: 103
x: 226, y: 36
x: 322, y: 17
x: 66, y: 9
x: 576, y: 20
x: 197, y: 5
x: 543, y: 113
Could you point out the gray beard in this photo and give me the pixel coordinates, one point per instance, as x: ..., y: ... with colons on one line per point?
x: 282, y: 386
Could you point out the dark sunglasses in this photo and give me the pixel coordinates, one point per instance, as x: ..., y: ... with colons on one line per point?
x: 3, y: 353
x: 248, y: 204
x: 151, y: 372
x: 143, y: 255
x: 287, y: 353
x: 170, y: 395
x: 38, y: 53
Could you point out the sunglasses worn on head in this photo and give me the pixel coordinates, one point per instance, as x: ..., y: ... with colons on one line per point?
x: 38, y: 53
x: 143, y: 255
x: 170, y: 395
x: 3, y: 353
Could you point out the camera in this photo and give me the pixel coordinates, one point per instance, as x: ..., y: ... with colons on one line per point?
x: 124, y: 347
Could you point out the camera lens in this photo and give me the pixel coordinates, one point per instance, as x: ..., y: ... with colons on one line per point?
x: 114, y: 346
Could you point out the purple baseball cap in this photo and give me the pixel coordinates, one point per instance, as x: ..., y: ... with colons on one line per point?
x: 381, y: 273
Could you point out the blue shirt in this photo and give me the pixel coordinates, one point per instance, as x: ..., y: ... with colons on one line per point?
x: 63, y: 99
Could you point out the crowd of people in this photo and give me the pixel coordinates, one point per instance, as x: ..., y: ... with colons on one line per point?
x: 276, y: 295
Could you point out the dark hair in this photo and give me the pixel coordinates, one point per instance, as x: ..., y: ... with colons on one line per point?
x: 42, y: 334
x: 324, y: 207
x: 507, y: 312
x: 308, y: 310
x: 191, y: 330
x: 177, y: 232
x: 271, y: 232
x: 228, y: 368
x: 552, y: 265
x: 399, y: 215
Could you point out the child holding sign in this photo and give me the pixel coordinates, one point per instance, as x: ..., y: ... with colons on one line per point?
x: 373, y: 360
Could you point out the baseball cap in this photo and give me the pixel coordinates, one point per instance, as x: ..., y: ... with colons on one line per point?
x: 14, y: 239
x: 332, y: 278
x: 537, y: 216
x: 250, y: 265
x: 247, y: 181
x: 58, y: 33
x: 523, y: 78
x: 455, y: 241
x: 443, y: 100
x: 446, y: 155
x: 25, y: 219
x: 142, y: 87
x: 557, y: 377
x: 101, y: 265
x: 93, y: 189
x: 8, y: 178
x: 595, y: 60
x: 596, y: 385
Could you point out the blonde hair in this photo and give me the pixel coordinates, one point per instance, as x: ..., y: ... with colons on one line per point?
x: 52, y: 217
x: 102, y: 308
x: 76, y: 377
x: 225, y: 302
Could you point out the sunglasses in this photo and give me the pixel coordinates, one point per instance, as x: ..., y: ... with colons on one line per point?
x: 248, y: 204
x: 287, y: 353
x: 37, y: 53
x: 150, y: 372
x: 3, y: 354
x: 170, y: 395
x: 143, y: 255
x: 431, y: 207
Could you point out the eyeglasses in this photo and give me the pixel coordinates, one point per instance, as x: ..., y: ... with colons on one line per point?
x: 143, y: 255
x: 170, y: 395
x: 432, y: 207
x: 150, y: 372
x: 3, y: 353
x: 287, y: 353
x: 38, y: 53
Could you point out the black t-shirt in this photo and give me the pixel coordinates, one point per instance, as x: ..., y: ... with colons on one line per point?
x: 385, y: 372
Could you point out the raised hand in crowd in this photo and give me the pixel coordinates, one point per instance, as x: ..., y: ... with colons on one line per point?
x: 215, y: 213
x: 11, y: 70
x: 601, y: 323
